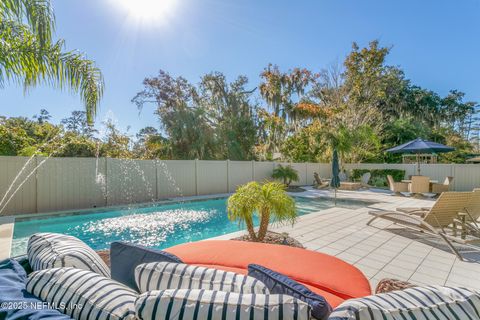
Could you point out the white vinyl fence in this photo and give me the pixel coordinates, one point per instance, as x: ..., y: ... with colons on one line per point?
x: 57, y: 184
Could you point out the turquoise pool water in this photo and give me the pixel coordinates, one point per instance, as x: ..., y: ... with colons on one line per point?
x: 158, y: 226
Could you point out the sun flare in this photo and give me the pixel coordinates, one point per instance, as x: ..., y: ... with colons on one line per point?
x: 151, y: 11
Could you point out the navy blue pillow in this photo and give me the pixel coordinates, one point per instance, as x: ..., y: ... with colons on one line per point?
x: 13, y: 280
x: 125, y: 257
x: 278, y: 283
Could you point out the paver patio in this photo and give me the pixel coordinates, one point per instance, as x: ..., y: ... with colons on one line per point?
x: 383, y: 250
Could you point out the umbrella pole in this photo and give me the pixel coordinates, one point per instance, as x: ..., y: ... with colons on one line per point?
x: 335, y: 196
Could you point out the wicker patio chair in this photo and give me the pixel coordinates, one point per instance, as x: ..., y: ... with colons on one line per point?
x: 419, y: 184
x: 396, y: 187
x: 437, y: 221
x: 442, y: 187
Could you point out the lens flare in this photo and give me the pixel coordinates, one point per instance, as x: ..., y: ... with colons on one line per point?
x: 148, y: 11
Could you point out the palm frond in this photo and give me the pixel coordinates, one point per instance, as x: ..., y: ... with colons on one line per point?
x: 23, y: 59
x: 37, y: 14
x: 282, y: 206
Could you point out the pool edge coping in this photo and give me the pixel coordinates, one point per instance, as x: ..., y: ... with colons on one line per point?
x: 6, y: 236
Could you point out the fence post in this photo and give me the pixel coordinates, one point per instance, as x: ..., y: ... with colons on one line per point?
x: 306, y: 173
x: 157, y: 196
x: 106, y: 181
x: 36, y: 184
x: 253, y: 170
x: 196, y: 177
x: 452, y: 172
x: 228, y: 175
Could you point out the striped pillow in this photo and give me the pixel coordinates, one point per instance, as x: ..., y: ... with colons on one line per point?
x: 83, y: 294
x: 192, y: 304
x: 432, y: 302
x: 169, y: 275
x: 53, y: 250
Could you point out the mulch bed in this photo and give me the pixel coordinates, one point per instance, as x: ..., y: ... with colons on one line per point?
x: 275, y: 238
x: 105, y: 255
x: 295, y: 189
x: 388, y: 285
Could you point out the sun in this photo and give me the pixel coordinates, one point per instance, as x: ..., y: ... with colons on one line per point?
x: 150, y: 11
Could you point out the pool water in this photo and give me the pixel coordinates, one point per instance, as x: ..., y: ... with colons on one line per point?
x: 158, y: 226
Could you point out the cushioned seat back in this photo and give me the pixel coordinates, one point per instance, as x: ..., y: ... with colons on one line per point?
x: 198, y: 304
x: 433, y: 302
x: 165, y: 275
x: 83, y: 294
x: 52, y: 250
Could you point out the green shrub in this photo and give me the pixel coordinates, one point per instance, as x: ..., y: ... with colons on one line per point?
x: 379, y: 176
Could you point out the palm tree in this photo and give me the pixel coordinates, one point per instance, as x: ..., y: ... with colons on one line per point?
x: 267, y: 201
x: 287, y: 173
x: 29, y: 56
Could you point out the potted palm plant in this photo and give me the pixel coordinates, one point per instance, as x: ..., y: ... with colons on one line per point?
x: 268, y: 201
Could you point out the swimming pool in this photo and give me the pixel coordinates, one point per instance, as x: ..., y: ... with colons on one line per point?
x: 158, y: 226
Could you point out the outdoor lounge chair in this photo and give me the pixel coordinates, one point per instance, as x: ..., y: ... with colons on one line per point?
x: 467, y: 219
x: 472, y: 211
x: 319, y: 182
x: 437, y: 220
x: 442, y: 187
x: 397, y: 187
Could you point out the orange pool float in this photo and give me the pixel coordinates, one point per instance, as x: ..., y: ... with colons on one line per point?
x: 326, y: 275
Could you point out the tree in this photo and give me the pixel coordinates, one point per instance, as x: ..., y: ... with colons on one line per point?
x: 232, y: 115
x: 268, y: 201
x: 116, y: 144
x: 285, y: 173
x: 78, y: 123
x: 25, y: 137
x: 75, y: 145
x: 213, y: 120
x: 150, y: 144
x: 29, y: 55
x: 43, y: 117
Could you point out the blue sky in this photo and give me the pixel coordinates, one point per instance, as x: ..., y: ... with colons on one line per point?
x: 436, y: 42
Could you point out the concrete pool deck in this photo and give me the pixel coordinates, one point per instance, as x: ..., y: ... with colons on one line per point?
x: 383, y: 250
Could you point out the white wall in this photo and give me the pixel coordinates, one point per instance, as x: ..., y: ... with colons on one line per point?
x: 76, y: 183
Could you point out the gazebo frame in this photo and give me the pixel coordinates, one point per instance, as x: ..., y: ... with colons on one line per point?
x: 424, y: 158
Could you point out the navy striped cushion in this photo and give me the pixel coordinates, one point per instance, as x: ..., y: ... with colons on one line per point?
x: 84, y: 294
x: 52, y: 250
x: 281, y: 284
x: 192, y: 304
x: 418, y: 303
x: 169, y: 275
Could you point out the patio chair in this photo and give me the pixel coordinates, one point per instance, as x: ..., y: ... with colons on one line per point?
x: 419, y: 184
x: 364, y: 179
x: 319, y: 182
x: 442, y: 187
x: 436, y: 220
x: 396, y: 187
x: 342, y: 176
